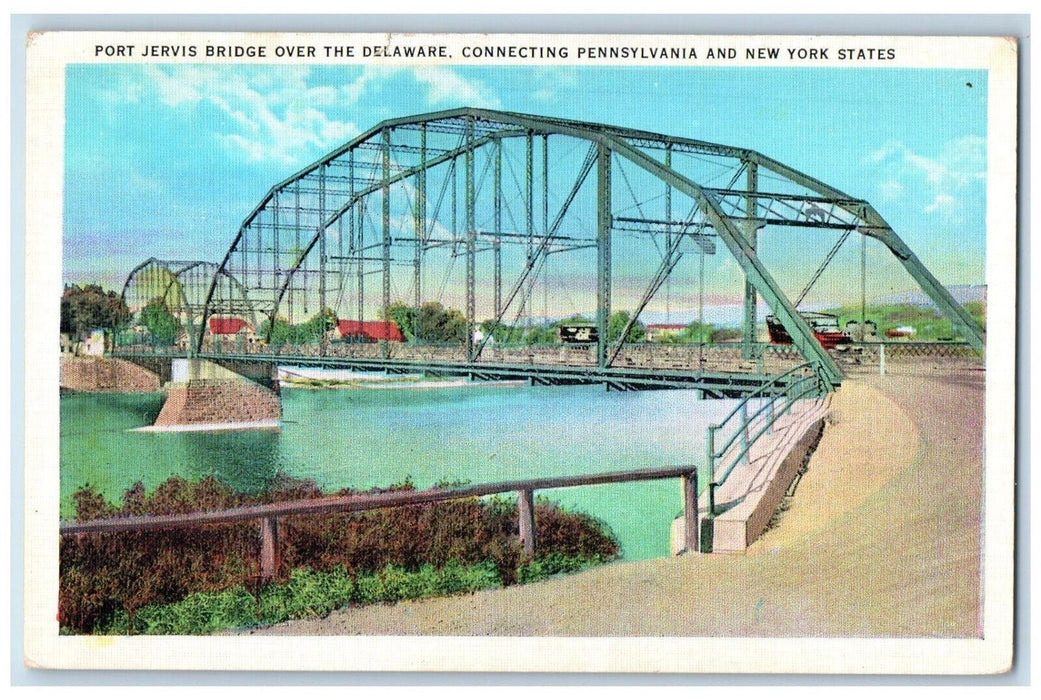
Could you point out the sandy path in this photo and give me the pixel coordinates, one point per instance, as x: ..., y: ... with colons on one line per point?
x: 882, y: 540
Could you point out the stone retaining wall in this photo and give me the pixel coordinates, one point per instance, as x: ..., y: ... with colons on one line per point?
x: 207, y: 401
x: 106, y: 374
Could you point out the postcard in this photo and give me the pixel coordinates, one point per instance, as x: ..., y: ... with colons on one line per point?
x: 536, y: 353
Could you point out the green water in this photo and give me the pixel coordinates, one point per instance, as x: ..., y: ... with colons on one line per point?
x: 376, y: 437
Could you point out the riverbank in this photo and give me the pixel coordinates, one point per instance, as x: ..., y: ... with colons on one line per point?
x: 882, y: 539
x: 105, y: 374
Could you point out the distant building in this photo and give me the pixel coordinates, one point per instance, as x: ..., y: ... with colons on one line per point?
x: 230, y: 328
x: 655, y: 331
x: 227, y: 326
x: 94, y: 344
x: 370, y: 331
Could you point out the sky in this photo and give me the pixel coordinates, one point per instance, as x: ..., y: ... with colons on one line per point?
x: 167, y: 160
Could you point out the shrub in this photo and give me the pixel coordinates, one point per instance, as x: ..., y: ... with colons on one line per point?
x: 175, y: 578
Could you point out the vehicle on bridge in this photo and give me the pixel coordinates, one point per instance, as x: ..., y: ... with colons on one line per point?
x: 825, y: 329
x: 578, y: 333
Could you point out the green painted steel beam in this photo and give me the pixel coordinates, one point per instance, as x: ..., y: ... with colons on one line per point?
x: 603, y: 252
x: 614, y: 138
x: 751, y: 235
x: 744, y: 253
x: 876, y: 227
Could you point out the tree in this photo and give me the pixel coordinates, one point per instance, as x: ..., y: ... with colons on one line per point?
x: 276, y: 334
x: 314, y: 328
x: 440, y: 325
x: 616, y: 324
x: 542, y: 335
x: 88, y: 307
x: 162, y: 325
x: 404, y: 317
x: 281, y: 332
x: 497, y: 330
x: 697, y: 333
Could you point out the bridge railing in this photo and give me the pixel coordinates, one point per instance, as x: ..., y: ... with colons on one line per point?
x: 729, y: 442
x: 268, y: 515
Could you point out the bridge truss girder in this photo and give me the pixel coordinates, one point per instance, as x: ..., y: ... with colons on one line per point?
x: 292, y: 245
x: 183, y: 287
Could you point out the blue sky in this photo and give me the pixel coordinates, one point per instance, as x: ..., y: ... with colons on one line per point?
x: 166, y: 160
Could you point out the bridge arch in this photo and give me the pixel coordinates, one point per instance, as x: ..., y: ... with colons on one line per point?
x: 182, y: 287
x: 390, y: 198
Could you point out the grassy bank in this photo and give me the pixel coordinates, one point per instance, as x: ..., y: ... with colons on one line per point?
x: 204, y: 578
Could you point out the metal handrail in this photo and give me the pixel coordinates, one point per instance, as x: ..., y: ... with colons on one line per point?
x: 804, y: 386
x: 747, y: 420
x: 762, y: 431
x: 768, y: 384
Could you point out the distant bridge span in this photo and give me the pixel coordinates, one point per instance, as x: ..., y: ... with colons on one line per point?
x: 503, y: 192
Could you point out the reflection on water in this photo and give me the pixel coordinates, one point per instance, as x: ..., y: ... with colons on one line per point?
x: 375, y: 437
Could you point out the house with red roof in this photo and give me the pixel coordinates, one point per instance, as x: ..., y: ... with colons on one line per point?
x: 227, y: 326
x: 232, y: 329
x: 370, y: 331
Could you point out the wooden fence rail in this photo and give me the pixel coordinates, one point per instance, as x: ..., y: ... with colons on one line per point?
x: 269, y: 513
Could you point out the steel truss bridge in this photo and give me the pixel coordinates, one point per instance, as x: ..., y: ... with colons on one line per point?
x: 391, y: 216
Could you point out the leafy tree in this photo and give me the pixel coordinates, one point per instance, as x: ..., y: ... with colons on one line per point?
x: 404, y: 317
x: 314, y: 328
x: 697, y: 333
x: 161, y: 283
x: 498, y: 330
x: 88, y: 307
x: 435, y: 323
x: 440, y: 325
x: 277, y: 333
x: 542, y: 335
x: 162, y: 325
x: 616, y: 324
x: 574, y: 320
x: 281, y: 332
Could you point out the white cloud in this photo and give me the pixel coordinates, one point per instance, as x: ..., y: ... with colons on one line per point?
x: 279, y: 115
x: 891, y: 190
x: 943, y: 183
x: 446, y: 87
x: 942, y: 202
x: 270, y: 115
x: 551, y: 79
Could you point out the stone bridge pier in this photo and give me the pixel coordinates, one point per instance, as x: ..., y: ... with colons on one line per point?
x: 204, y: 395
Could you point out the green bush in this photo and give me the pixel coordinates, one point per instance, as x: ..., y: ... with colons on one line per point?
x: 108, y: 581
x: 199, y: 613
x: 308, y: 593
x: 553, y: 564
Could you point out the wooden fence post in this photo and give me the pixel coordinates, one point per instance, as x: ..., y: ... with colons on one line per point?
x: 269, y: 548
x: 690, y: 512
x: 526, y: 518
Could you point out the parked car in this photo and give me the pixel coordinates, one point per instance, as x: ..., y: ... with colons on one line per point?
x: 825, y: 329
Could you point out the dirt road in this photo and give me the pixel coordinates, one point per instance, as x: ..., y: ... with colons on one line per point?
x: 882, y: 539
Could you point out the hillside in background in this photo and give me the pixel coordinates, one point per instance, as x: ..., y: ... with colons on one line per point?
x: 962, y: 293
x: 926, y: 321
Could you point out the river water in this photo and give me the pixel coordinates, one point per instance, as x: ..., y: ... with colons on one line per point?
x: 376, y: 437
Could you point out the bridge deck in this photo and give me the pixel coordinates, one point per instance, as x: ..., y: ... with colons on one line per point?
x: 713, y: 383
